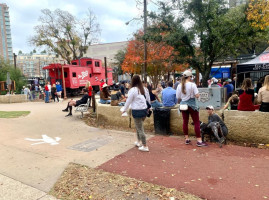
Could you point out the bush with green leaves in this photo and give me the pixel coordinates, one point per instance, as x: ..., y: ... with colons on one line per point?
x: 15, y: 74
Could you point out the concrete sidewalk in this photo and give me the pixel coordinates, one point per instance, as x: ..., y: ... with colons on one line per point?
x: 40, y: 165
x: 11, y: 189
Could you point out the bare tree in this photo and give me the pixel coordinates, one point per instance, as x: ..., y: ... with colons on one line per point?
x: 64, y: 34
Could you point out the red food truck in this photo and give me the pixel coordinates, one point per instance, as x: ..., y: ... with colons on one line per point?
x: 78, y: 73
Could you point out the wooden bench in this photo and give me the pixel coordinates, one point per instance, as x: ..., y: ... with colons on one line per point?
x: 83, y: 108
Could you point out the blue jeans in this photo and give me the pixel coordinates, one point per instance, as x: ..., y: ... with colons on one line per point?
x: 47, y: 96
x: 156, y: 104
x: 102, y: 101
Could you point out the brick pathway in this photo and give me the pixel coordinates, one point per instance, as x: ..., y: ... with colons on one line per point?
x: 232, y: 172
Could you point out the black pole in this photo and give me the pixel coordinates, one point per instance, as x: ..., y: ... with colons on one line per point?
x: 15, y: 58
x: 105, y: 69
x: 145, y: 42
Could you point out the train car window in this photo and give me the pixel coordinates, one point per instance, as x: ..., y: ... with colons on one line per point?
x: 74, y: 63
x: 65, y: 74
x: 89, y: 62
x: 74, y: 74
x: 90, y: 75
x: 97, y: 64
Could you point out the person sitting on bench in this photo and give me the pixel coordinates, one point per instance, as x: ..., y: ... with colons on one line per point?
x: 75, y: 103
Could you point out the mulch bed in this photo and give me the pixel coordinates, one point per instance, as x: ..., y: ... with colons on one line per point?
x: 82, y: 182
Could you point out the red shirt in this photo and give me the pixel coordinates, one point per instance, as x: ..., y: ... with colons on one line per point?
x: 101, y: 86
x: 46, y: 88
x: 90, y: 91
x: 245, y: 101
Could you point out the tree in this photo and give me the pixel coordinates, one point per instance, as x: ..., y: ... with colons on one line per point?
x: 64, y: 34
x: 119, y: 58
x: 258, y: 13
x: 34, y: 51
x: 15, y: 75
x: 20, y: 52
x: 214, y: 32
x: 159, y: 59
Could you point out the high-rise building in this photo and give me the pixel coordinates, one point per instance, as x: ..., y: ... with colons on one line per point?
x: 31, y: 64
x: 234, y: 3
x: 6, y: 51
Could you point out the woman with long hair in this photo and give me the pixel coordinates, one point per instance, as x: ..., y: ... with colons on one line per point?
x: 263, y: 95
x: 246, y: 96
x: 54, y: 92
x: 137, y: 99
x: 186, y: 93
x: 155, y: 101
x: 89, y: 88
x: 105, y: 95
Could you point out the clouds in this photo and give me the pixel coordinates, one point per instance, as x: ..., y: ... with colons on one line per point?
x: 111, y: 15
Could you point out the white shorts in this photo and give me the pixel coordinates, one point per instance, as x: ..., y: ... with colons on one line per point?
x: 59, y: 93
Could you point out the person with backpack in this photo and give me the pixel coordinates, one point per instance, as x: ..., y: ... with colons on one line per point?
x: 138, y: 97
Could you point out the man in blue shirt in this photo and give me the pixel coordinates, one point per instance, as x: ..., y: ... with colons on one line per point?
x: 230, y: 88
x: 59, y: 89
x: 169, y: 95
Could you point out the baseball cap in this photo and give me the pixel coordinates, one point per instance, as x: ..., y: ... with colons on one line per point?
x: 229, y: 80
x: 209, y: 107
x: 105, y: 85
x: 214, y: 80
x: 187, y: 73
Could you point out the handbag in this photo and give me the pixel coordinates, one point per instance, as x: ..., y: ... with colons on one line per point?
x: 183, y: 107
x: 148, y: 107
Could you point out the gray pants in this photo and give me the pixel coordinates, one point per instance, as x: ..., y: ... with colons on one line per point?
x: 139, y: 125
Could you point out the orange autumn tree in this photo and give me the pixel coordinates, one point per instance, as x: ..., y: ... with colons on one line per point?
x: 159, y: 61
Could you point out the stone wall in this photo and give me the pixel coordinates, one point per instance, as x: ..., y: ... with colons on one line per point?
x: 18, y: 98
x: 252, y: 127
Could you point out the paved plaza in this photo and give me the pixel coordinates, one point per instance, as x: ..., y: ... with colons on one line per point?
x: 36, y: 149
x: 40, y: 165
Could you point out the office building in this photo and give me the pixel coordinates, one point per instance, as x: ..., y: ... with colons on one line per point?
x: 31, y: 64
x: 108, y: 50
x: 6, y: 51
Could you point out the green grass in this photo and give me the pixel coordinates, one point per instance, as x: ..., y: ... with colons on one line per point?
x: 13, y: 114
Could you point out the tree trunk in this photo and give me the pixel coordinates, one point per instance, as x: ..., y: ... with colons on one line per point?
x: 205, y: 75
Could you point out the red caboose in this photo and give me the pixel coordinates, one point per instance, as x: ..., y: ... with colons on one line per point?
x: 78, y: 73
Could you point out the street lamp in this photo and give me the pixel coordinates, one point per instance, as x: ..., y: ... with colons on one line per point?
x: 127, y: 23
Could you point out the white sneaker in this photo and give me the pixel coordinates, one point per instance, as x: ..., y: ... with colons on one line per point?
x: 142, y: 148
x: 137, y: 144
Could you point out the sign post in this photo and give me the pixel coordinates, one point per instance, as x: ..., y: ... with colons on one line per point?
x: 8, y: 81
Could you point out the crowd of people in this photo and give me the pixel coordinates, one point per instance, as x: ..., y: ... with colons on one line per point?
x: 35, y: 91
x: 143, y: 97
x: 182, y: 95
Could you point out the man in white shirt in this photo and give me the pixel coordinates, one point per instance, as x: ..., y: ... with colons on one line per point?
x: 49, y: 86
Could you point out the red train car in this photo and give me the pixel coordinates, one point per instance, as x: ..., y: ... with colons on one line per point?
x: 78, y: 73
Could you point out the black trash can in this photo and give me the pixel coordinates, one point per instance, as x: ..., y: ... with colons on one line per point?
x: 162, y: 121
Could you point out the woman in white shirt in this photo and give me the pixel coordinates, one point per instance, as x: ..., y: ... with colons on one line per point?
x: 187, y: 92
x: 137, y: 97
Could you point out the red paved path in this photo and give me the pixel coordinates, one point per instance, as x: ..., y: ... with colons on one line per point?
x: 232, y: 172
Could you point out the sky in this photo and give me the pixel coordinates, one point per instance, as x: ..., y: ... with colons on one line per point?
x: 111, y: 15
